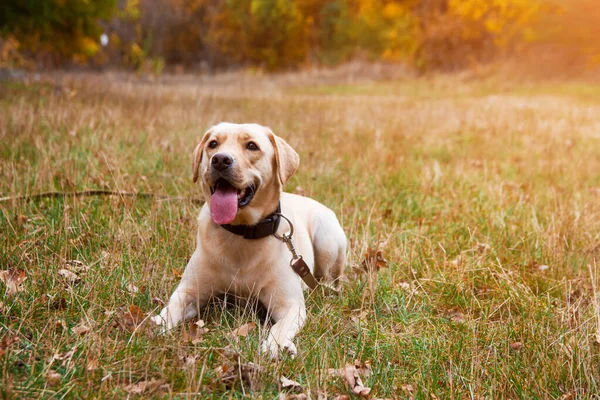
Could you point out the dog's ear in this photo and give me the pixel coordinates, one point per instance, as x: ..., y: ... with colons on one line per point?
x: 285, y: 156
x: 197, y: 157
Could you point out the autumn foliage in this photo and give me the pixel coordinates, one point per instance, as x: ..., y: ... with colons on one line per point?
x: 282, y: 34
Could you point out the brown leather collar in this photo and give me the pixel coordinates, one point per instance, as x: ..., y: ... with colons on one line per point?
x: 263, y: 228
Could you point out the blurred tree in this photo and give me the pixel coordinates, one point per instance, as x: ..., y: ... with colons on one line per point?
x: 67, y: 28
x: 387, y: 29
x: 280, y: 34
x: 268, y: 33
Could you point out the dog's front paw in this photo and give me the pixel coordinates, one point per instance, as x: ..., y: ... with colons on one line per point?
x: 162, y: 322
x: 273, y: 347
x: 158, y: 320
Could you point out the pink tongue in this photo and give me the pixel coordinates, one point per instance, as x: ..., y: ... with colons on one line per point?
x: 224, y: 205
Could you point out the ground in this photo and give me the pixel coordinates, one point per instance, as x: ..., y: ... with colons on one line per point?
x: 482, y: 194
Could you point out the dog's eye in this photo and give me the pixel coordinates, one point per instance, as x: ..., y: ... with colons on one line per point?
x: 213, y: 144
x: 252, y: 146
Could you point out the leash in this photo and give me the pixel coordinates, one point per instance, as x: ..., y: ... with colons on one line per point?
x: 297, y: 262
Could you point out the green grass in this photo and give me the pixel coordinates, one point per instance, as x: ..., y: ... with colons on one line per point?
x: 467, y: 195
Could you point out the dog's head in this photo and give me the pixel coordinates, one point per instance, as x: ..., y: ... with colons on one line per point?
x: 242, y: 169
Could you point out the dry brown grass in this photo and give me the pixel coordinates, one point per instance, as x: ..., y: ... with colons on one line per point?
x: 470, y: 187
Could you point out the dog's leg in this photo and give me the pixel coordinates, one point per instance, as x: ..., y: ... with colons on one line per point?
x: 289, y: 313
x: 329, y: 245
x: 192, y: 293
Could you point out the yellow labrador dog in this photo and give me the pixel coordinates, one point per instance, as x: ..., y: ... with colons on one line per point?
x: 242, y: 170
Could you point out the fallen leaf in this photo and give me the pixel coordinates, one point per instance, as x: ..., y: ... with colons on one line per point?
x: 60, y: 324
x: 188, y: 361
x: 456, y: 315
x: 359, y: 315
x: 354, y: 382
x: 516, y: 346
x: 158, y: 301
x: 131, y: 318
x: 244, y: 329
x: 407, y: 387
x: 177, y: 274
x: 69, y: 276
x: 373, y: 261
x: 53, y: 378
x: 21, y: 220
x: 6, y: 342
x: 342, y: 397
x: 229, y: 373
x: 456, y: 262
x: 91, y: 365
x: 194, y: 332
x: 81, y: 329
x: 65, y: 357
x: 146, y: 386
x: 13, y: 278
x: 132, y: 288
x: 289, y: 384
x: 483, y: 247
x: 76, y: 266
x: 293, y: 396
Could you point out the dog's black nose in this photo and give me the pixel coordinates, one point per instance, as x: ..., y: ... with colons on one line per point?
x: 221, y: 161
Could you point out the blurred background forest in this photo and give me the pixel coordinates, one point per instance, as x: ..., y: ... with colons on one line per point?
x: 151, y: 35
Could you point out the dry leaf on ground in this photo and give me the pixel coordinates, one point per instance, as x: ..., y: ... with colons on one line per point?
x: 6, y: 342
x: 289, y: 384
x: 92, y: 365
x: 359, y: 315
x: 244, y: 330
x: 363, y: 368
x: 188, y: 361
x: 76, y: 266
x: 194, y: 332
x: 229, y: 373
x: 373, y: 261
x: 131, y: 288
x: 66, y: 358
x: 354, y: 382
x: 13, y: 278
x: 408, y: 387
x: 53, y: 378
x: 146, y: 386
x: 131, y: 318
x: 81, y: 329
x: 293, y: 396
x: 455, y: 315
x: 516, y: 346
x: 69, y: 276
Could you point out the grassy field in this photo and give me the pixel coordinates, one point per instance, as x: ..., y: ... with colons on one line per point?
x: 484, y: 197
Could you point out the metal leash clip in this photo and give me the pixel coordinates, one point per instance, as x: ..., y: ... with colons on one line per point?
x: 297, y: 263
x: 287, y: 239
